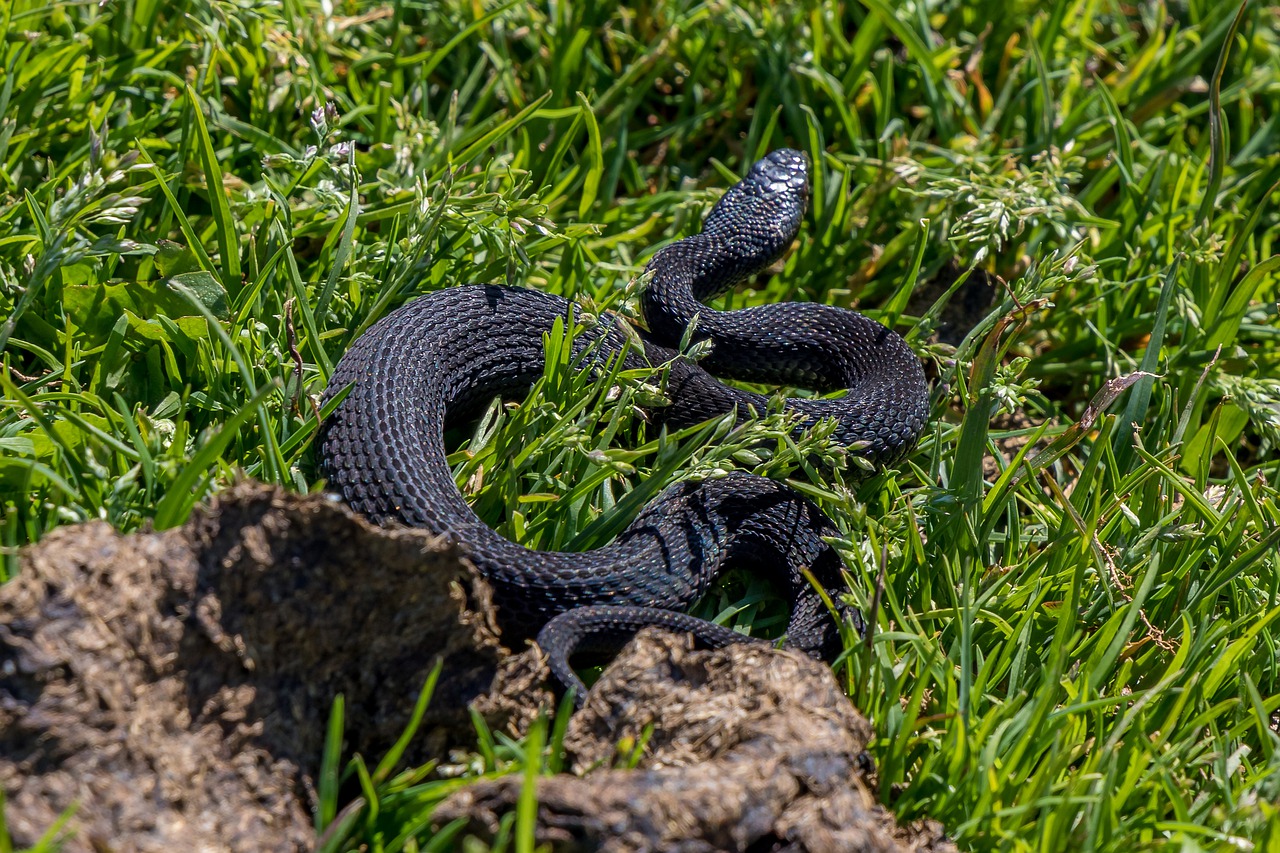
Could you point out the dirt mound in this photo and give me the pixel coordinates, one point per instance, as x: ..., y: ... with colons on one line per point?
x: 177, y: 685
x: 174, y: 688
x: 746, y: 748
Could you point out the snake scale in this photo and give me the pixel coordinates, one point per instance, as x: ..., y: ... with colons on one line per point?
x: 443, y: 357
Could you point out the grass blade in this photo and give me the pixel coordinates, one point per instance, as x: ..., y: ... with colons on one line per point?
x: 224, y: 224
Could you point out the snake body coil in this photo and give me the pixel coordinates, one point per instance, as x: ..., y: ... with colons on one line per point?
x: 445, y: 355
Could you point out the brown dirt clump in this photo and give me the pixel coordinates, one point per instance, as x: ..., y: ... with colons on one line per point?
x: 749, y: 748
x: 176, y: 685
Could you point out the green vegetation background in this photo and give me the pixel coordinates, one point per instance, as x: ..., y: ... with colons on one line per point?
x: 202, y: 204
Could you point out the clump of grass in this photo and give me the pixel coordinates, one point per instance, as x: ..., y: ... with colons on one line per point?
x: 202, y: 206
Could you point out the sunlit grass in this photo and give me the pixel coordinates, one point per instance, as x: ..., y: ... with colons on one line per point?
x: 202, y: 205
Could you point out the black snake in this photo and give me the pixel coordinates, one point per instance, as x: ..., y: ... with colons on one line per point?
x: 446, y: 355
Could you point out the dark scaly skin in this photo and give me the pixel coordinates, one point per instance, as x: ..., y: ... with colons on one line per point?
x: 442, y: 357
x: 819, y: 347
x: 601, y: 631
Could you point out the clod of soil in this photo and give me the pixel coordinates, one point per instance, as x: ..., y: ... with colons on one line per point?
x: 174, y: 688
x: 749, y: 748
x: 177, y: 685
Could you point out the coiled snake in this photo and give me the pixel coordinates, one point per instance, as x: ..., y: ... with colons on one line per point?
x: 445, y: 355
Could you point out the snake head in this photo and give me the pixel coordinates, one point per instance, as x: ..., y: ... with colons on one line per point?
x: 783, y: 173
x: 766, y: 207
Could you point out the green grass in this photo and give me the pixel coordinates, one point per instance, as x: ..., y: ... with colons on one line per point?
x: 202, y: 205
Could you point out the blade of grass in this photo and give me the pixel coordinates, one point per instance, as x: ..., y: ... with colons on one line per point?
x: 182, y: 494
x: 224, y: 224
